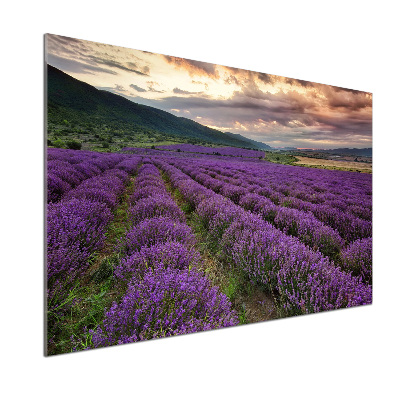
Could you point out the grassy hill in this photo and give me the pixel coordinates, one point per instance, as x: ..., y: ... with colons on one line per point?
x: 79, y: 111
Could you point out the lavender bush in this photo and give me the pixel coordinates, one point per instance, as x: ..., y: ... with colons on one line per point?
x: 159, y: 205
x: 166, y: 302
x: 154, y: 231
x: 357, y: 258
x: 171, y: 254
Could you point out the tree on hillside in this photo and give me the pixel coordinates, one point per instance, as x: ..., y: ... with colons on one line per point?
x: 74, y: 145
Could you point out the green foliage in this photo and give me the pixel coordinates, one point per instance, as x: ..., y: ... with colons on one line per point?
x: 59, y: 144
x: 74, y: 145
x: 233, y: 288
x: 280, y: 158
x: 87, y: 305
x: 187, y: 208
x: 105, y: 269
x: 242, y: 315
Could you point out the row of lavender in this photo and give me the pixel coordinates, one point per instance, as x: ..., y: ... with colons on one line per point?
x: 339, y: 207
x: 223, y: 151
x: 304, y: 280
x: 76, y: 227
x: 344, y: 192
x: 230, y: 153
x: 293, y: 222
x: 347, y: 207
x: 165, y: 293
x: 340, y: 189
x: 294, y: 187
x: 303, y: 182
x: 66, y: 169
x: 313, y: 231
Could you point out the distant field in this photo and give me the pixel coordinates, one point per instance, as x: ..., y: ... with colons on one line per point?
x: 351, y: 165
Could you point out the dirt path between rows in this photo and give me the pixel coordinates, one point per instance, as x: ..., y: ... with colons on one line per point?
x: 251, y: 302
x: 113, y: 233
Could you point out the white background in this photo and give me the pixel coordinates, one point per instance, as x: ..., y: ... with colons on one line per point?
x: 350, y: 354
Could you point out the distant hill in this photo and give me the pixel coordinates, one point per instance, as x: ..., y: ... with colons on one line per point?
x: 80, y: 103
x: 367, y: 152
x: 286, y: 148
x: 253, y: 143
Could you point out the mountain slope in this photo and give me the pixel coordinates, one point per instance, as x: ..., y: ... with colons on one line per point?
x: 79, y: 102
x: 252, y: 143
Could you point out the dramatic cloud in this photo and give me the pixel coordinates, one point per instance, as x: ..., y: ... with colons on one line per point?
x: 305, y: 84
x: 276, y: 110
x: 180, y: 91
x: 152, y: 87
x: 72, y: 54
x: 69, y: 65
x: 231, y: 79
x: 194, y: 67
x: 137, y: 88
x: 283, y: 119
x: 344, y: 98
x: 201, y: 83
x: 129, y: 67
x: 266, y: 78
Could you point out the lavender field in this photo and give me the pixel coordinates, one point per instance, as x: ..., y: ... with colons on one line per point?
x: 145, y: 244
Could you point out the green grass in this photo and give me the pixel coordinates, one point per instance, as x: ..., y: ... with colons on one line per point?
x: 242, y: 315
x: 90, y: 297
x: 280, y: 158
x: 104, y: 139
x: 232, y: 288
x: 85, y: 305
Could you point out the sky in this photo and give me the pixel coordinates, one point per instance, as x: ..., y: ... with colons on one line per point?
x: 275, y: 110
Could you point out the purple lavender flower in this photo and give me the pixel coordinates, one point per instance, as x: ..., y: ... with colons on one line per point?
x: 155, y: 231
x: 75, y: 229
x: 357, y: 258
x: 166, y: 302
x: 168, y: 255
x: 160, y: 205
